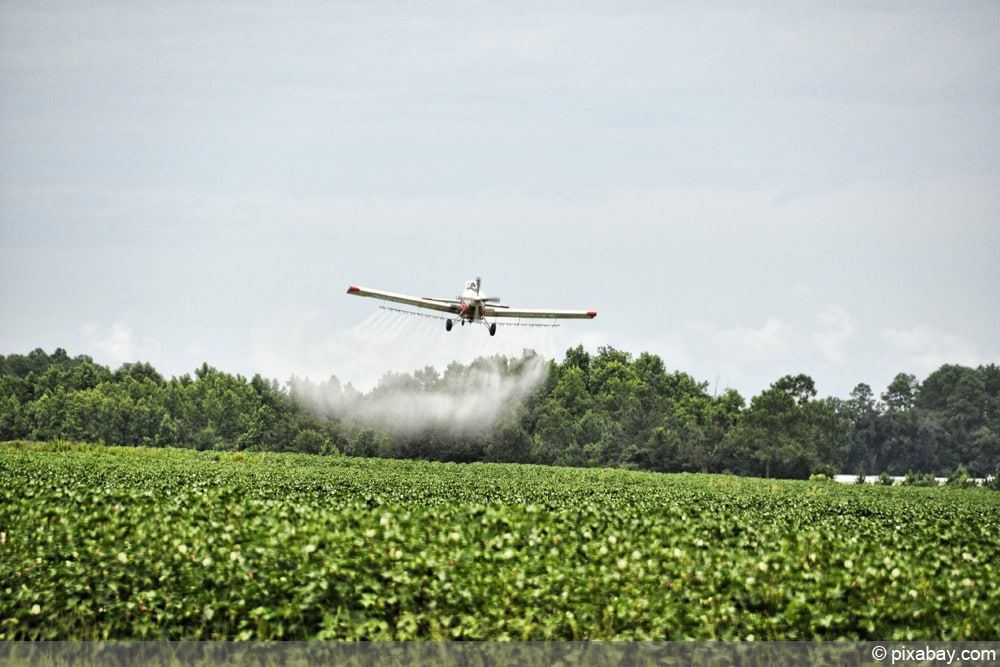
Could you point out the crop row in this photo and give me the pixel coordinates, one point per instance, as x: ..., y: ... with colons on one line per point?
x: 114, y: 543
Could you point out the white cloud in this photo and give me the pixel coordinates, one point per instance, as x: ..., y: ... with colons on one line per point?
x: 757, y: 345
x: 924, y: 349
x: 836, y: 328
x: 742, y: 357
x: 662, y: 164
x: 749, y: 357
x: 117, y: 343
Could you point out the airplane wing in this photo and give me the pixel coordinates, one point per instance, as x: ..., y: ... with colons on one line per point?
x: 506, y: 311
x: 443, y: 305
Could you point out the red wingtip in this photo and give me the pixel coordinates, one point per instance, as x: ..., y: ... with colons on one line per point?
x: 352, y: 288
x: 592, y: 313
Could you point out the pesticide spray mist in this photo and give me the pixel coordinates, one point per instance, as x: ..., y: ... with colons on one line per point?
x: 463, y: 399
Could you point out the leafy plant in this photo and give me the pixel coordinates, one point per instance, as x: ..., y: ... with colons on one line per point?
x: 171, y: 544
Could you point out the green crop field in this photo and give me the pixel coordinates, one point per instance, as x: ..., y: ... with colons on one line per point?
x: 121, y: 543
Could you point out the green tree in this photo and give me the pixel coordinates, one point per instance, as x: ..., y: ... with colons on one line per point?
x: 509, y: 442
x: 556, y: 432
x: 788, y: 433
x: 257, y: 430
x: 772, y: 428
x: 901, y: 393
x: 365, y: 443
x: 617, y: 391
x: 309, y: 441
x: 864, y: 413
x: 956, y: 398
x: 167, y: 434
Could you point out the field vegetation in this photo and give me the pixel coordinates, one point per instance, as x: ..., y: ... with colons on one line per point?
x: 165, y: 543
x: 608, y: 409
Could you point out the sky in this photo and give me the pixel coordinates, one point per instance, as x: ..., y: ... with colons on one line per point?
x: 746, y: 192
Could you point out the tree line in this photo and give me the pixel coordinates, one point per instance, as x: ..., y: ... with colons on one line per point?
x: 607, y: 409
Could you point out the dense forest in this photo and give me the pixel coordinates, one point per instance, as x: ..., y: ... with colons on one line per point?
x: 605, y: 409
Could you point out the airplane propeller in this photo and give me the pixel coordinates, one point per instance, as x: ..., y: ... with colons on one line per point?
x: 479, y: 291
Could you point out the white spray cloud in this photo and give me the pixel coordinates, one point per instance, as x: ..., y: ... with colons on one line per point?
x: 463, y: 399
x: 312, y: 344
x: 405, y: 373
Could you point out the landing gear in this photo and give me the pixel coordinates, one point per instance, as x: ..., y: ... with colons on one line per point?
x: 490, y: 326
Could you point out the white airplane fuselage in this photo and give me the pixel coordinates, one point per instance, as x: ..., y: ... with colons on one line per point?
x: 472, y: 303
x: 473, y: 306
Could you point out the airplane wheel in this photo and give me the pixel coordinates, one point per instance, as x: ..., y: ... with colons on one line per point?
x: 447, y: 325
x: 493, y: 329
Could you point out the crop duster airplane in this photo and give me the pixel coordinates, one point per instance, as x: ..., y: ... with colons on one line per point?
x: 472, y: 306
